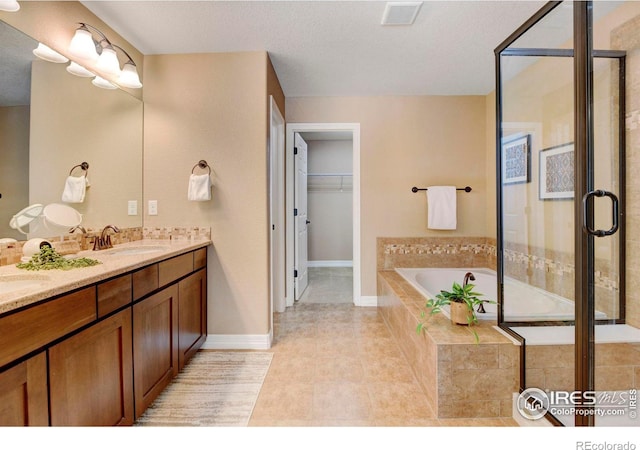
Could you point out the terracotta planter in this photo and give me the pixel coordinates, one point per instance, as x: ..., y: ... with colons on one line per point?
x: 460, y: 313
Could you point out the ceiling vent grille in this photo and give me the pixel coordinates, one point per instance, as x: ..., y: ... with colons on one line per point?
x: 400, y: 13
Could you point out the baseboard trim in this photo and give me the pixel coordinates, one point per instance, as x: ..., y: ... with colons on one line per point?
x: 337, y: 263
x: 367, y: 300
x: 238, y: 341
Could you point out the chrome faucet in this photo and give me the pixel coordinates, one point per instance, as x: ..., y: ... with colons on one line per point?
x: 103, y: 242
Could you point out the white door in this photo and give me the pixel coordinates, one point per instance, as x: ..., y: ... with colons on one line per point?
x: 276, y: 166
x: 301, y: 222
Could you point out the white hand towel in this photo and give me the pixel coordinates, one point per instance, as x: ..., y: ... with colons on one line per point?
x: 441, y: 207
x: 74, y: 189
x: 199, y: 188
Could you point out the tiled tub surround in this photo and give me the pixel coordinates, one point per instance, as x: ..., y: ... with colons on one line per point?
x: 461, y: 379
x: 73, y: 243
x: 56, y: 282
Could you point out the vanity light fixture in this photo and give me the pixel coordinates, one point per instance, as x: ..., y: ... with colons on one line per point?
x: 9, y: 5
x: 102, y: 83
x: 48, y: 54
x: 103, y: 53
x: 76, y: 69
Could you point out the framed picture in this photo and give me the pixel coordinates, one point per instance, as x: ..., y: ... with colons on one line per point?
x: 557, y: 172
x: 516, y: 159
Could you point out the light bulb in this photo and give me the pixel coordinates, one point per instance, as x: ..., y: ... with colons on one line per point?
x: 102, y: 83
x: 9, y: 5
x: 129, y: 76
x: 108, y: 62
x: 48, y: 54
x: 83, y: 46
x: 76, y: 69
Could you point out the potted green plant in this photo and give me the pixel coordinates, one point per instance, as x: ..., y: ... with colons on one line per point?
x: 463, y: 304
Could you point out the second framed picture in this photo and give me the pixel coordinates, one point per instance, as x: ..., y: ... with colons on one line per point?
x: 516, y: 159
x: 557, y: 172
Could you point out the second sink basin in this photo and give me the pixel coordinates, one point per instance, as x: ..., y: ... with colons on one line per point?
x: 140, y: 250
x: 12, y: 283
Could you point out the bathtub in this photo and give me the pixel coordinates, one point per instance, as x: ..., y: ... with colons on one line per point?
x: 524, y: 302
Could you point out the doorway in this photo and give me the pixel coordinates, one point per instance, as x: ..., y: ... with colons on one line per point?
x: 324, y: 179
x: 329, y: 217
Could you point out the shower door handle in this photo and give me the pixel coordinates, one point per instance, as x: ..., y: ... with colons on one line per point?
x: 586, y: 213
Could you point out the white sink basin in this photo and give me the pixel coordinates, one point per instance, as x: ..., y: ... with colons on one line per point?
x: 10, y: 283
x: 140, y: 250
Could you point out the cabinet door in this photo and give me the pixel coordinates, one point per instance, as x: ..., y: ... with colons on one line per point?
x: 192, y: 315
x: 155, y: 345
x: 91, y: 375
x: 23, y: 394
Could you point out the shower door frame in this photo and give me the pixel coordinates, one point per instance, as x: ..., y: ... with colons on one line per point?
x: 584, y: 322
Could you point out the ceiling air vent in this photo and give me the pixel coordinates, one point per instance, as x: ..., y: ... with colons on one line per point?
x: 400, y: 13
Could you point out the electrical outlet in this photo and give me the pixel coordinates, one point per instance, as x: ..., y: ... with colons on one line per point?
x: 132, y: 207
x: 153, y: 207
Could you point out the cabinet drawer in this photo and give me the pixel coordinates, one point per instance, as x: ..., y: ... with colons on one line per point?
x: 114, y: 294
x: 174, y: 268
x: 199, y: 258
x: 34, y: 327
x: 145, y: 281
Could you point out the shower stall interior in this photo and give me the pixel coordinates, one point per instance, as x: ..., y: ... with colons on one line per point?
x: 568, y: 171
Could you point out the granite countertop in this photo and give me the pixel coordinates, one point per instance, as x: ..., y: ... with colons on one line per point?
x: 42, y: 284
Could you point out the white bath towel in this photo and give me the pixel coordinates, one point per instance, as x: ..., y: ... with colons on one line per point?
x: 199, y: 188
x: 75, y: 189
x: 441, y: 207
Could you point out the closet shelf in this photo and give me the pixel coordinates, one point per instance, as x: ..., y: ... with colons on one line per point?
x: 330, y: 182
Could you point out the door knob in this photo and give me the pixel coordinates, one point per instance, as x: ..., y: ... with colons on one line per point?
x: 308, y: 222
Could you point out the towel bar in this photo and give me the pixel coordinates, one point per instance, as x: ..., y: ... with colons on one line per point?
x: 203, y: 165
x: 415, y: 189
x: 84, y: 166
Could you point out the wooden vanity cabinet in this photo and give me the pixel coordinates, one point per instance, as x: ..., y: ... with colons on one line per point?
x: 23, y: 393
x: 91, y: 375
x: 192, y: 315
x: 155, y: 345
x: 99, y: 356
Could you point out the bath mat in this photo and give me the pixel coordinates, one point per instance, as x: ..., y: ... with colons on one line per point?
x: 215, y: 389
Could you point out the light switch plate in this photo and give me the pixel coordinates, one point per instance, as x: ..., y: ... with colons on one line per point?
x: 132, y: 207
x: 153, y: 207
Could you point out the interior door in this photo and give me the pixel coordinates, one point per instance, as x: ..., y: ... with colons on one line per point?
x: 301, y: 272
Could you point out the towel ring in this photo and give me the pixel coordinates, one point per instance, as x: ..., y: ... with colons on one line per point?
x: 203, y: 165
x: 84, y: 166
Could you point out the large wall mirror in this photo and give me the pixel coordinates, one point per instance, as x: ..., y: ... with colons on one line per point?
x: 52, y: 121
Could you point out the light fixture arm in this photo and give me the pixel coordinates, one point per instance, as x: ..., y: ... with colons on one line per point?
x: 100, y: 33
x: 126, y: 54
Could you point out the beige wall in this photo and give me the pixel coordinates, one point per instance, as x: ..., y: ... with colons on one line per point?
x: 73, y: 121
x: 330, y: 200
x: 405, y: 142
x: 14, y: 166
x: 213, y: 107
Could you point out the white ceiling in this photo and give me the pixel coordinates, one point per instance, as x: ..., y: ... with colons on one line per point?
x: 333, y: 48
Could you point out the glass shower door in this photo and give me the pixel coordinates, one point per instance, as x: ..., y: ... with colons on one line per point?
x: 563, y: 182
x: 536, y: 220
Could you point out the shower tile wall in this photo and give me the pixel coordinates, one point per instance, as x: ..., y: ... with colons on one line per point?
x: 627, y: 37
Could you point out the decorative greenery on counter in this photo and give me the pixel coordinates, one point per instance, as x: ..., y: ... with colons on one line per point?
x: 49, y: 259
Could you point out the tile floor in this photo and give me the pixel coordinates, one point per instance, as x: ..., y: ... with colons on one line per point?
x: 336, y: 364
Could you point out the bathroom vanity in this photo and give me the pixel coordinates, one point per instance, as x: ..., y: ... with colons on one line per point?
x: 95, y: 346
